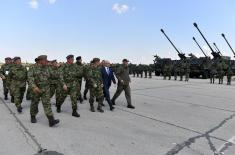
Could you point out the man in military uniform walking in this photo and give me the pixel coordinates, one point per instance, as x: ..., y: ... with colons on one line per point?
x: 80, y: 67
x: 96, y: 85
x: 39, y: 81
x: 69, y: 73
x: 5, y: 69
x: 18, y: 78
x: 124, y: 80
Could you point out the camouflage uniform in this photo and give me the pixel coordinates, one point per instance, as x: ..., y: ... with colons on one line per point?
x: 182, y: 70
x: 54, y: 81
x: 39, y: 76
x: 81, y: 69
x: 18, y: 78
x: 220, y: 71
x: 213, y: 73
x: 229, y: 76
x: 5, y: 69
x: 96, y: 87
x: 187, y: 71
x: 87, y: 85
x: 69, y: 73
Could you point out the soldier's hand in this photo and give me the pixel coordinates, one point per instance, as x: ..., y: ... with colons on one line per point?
x: 65, y: 88
x: 95, y: 85
x: 36, y: 90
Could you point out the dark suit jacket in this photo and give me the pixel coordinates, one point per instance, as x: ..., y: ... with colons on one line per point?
x: 107, y: 78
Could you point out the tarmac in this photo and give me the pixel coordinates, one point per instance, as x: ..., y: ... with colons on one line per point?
x: 171, y: 118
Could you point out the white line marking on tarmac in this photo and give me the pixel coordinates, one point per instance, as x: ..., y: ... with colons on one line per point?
x: 221, y: 150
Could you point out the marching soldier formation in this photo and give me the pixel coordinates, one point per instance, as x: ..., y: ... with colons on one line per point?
x: 46, y: 79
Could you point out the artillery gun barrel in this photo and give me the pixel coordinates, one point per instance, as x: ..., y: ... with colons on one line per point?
x: 216, y: 47
x: 181, y: 55
x: 213, y: 52
x: 228, y: 43
x: 199, y: 46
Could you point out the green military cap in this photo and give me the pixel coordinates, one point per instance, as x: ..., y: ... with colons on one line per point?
x: 70, y: 56
x: 7, y: 58
x: 125, y: 60
x: 95, y: 60
x: 42, y: 57
x: 16, y: 58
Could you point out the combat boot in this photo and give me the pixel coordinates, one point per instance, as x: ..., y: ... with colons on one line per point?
x: 19, y: 109
x: 12, y: 99
x: 84, y: 97
x: 6, y: 97
x: 130, y: 106
x: 33, y: 119
x: 100, y: 108
x: 58, y: 109
x: 52, y: 121
x: 75, y: 113
x: 92, y: 107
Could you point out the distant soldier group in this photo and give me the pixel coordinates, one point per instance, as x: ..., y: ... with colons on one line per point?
x: 142, y: 71
x: 46, y: 79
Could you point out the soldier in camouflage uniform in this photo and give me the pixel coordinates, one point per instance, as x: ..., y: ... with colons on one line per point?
x: 80, y: 67
x: 150, y: 71
x: 29, y: 90
x: 69, y: 73
x: 213, y: 73
x: 220, y: 70
x: 18, y: 78
x: 229, y: 75
x: 5, y: 69
x: 86, y: 70
x: 145, y: 71
x: 182, y: 70
x: 55, y: 79
x: 187, y: 70
x: 39, y: 81
x: 124, y: 80
x: 96, y: 85
x: 176, y: 71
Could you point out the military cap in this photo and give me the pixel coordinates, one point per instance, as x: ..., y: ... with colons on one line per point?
x: 70, y: 56
x: 78, y: 58
x: 7, y: 58
x: 42, y: 57
x: 125, y: 60
x: 36, y: 59
x: 96, y: 60
x: 53, y: 61
x: 16, y: 58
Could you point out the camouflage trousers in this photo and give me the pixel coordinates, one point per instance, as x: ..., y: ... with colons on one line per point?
x: 72, y: 92
x: 96, y: 93
x: 54, y: 90
x: 29, y: 94
x: 5, y: 87
x: 45, y: 98
x: 87, y: 87
x: 120, y: 89
x: 18, y: 93
x: 229, y: 79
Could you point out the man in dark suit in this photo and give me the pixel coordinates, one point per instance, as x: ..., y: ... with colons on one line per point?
x: 108, y: 78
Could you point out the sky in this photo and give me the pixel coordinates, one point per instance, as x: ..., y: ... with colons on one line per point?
x: 112, y: 29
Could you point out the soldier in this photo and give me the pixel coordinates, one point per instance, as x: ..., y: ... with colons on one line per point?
x: 39, y: 81
x: 18, y: 78
x: 229, y: 75
x: 182, y: 71
x: 176, y: 71
x: 96, y: 85
x: 187, y: 70
x: 220, y: 71
x: 29, y: 90
x: 80, y: 67
x: 69, y: 73
x: 213, y: 73
x: 87, y: 85
x: 150, y: 71
x: 145, y: 71
x: 5, y: 69
x: 54, y: 80
x: 124, y: 80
